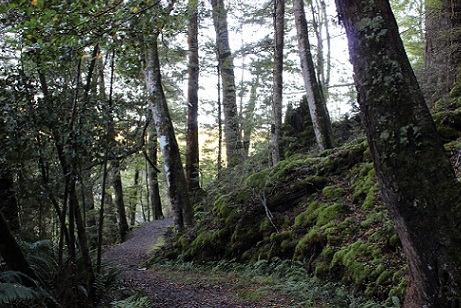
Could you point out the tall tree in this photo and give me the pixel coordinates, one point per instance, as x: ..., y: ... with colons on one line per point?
x: 192, y: 145
x: 229, y: 100
x: 115, y: 162
x: 315, y: 98
x: 176, y: 180
x: 248, y: 115
x: 416, y: 178
x: 277, y: 94
x: 443, y: 46
x: 152, y: 175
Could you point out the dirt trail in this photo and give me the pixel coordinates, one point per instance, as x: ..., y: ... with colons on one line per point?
x: 182, y: 289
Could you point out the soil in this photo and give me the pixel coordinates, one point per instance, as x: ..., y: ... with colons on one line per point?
x: 183, y: 288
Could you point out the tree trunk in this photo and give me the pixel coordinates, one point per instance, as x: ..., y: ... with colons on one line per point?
x: 134, y: 198
x: 119, y: 202
x: 174, y: 171
x: 279, y: 30
x: 154, y: 190
x: 417, y: 180
x: 316, y: 101
x: 443, y: 47
x: 192, y: 145
x: 248, y: 116
x: 9, y: 248
x: 229, y: 103
x: 8, y: 204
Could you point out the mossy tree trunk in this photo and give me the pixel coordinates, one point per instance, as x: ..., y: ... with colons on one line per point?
x: 229, y: 102
x: 176, y: 180
x: 314, y: 93
x: 277, y: 88
x: 416, y: 178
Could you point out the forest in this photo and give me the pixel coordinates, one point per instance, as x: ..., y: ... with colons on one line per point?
x: 316, y: 143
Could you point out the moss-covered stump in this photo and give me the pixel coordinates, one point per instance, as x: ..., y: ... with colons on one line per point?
x: 324, y: 211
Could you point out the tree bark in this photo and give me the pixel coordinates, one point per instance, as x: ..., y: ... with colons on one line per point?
x: 192, y: 145
x: 174, y: 171
x: 443, y: 47
x: 277, y: 95
x: 9, y: 248
x: 229, y: 103
x: 248, y: 116
x: 8, y: 205
x: 134, y: 199
x: 316, y: 101
x: 417, y: 181
x: 119, y: 201
x: 154, y: 190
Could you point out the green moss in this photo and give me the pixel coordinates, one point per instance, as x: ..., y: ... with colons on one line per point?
x: 385, y: 277
x: 371, y: 197
x: 200, y: 248
x: 265, y: 225
x: 318, y: 213
x: 344, y: 158
x: 282, y: 244
x: 455, y: 91
x: 371, y: 219
x: 310, y: 245
x: 329, y: 213
x: 361, y: 261
x: 364, y: 184
x: 258, y: 180
x: 400, y: 290
x: 308, y: 217
x: 333, y: 192
x: 394, y: 241
x: 447, y: 133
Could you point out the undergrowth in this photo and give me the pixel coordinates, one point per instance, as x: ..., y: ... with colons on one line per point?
x: 287, y: 278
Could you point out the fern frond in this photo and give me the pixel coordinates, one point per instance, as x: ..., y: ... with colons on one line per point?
x: 134, y: 301
x: 11, y: 293
x: 11, y: 276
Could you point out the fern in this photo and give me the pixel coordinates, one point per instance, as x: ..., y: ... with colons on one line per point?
x: 135, y: 301
x: 11, y: 293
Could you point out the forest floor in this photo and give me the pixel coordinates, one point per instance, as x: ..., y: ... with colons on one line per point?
x: 170, y: 287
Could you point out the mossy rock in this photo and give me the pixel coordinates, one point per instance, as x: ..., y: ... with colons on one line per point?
x: 371, y: 199
x: 329, y: 214
x: 281, y: 172
x: 310, y: 184
x: 447, y: 133
x: 333, y: 192
x: 361, y: 261
x: 310, y: 245
x: 282, y: 244
x: 318, y: 213
x: 363, y: 183
x: 206, y: 246
x: 344, y: 158
x: 308, y: 217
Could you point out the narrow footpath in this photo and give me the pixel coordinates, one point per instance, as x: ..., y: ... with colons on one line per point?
x: 180, y: 288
